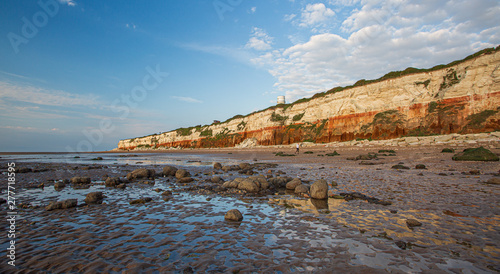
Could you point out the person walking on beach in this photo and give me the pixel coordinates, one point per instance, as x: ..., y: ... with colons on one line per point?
x: 297, y: 150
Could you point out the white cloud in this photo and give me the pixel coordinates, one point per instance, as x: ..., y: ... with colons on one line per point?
x: 315, y: 14
x: 187, y: 99
x: 130, y: 26
x: 259, y: 40
x: 70, y: 3
x: 253, y: 10
x: 379, y: 37
x: 289, y: 17
x: 39, y: 96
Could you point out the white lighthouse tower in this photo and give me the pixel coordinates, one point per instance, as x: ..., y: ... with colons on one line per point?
x: 281, y: 100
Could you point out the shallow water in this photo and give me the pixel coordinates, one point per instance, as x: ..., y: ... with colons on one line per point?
x: 280, y: 233
x: 141, y: 159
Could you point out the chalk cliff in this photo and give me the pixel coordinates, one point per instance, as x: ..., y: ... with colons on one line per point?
x: 461, y: 97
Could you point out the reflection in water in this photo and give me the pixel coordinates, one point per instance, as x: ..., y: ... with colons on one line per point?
x: 140, y: 159
x: 443, y: 239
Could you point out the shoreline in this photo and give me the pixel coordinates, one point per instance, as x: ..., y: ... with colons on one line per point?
x: 281, y: 230
x: 490, y: 139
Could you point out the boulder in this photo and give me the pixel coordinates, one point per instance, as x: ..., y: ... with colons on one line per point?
x: 59, y: 185
x: 140, y: 174
x: 279, y: 182
x: 69, y: 203
x: 169, y: 171
x: 141, y: 201
x: 301, y: 189
x: 244, y: 165
x: 231, y: 184
x: 23, y: 170
x: 260, y: 181
x: 493, y: 181
x: 420, y: 166
x: 248, y: 185
x: 233, y: 215
x: 181, y: 173
x: 476, y: 154
x: 319, y: 190
x: 217, y: 166
x: 185, y: 180
x: 216, y: 180
x: 167, y: 193
x: 80, y: 180
x: 112, y: 182
x: 413, y: 223
x: 399, y: 166
x: 293, y: 184
x: 94, y: 198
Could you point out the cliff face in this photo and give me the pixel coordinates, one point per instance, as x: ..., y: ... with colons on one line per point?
x: 463, y: 98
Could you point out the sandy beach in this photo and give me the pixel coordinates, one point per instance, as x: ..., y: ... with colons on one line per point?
x: 162, y: 223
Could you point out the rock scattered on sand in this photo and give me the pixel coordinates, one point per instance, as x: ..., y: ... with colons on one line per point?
x: 169, y: 171
x: 216, y: 180
x: 185, y: 180
x: 293, y: 184
x: 80, y: 180
x: 23, y: 170
x: 245, y: 166
x: 401, y: 244
x: 141, y: 173
x: 69, y: 203
x: 399, y: 166
x: 448, y: 150
x: 217, y: 166
x: 181, y: 173
x: 319, y: 190
x: 356, y: 195
x: 113, y: 182
x: 300, y: 189
x: 248, y: 185
x: 420, y: 166
x: 493, y: 181
x: 233, y: 215
x: 59, y: 185
x: 167, y: 193
x: 413, y: 223
x: 476, y: 154
x: 141, y: 201
x: 94, y: 198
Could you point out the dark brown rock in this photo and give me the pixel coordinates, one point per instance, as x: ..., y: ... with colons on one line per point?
x: 233, y: 215
x: 94, y: 198
x: 141, y: 173
x: 80, y: 180
x: 319, y: 189
x: 181, y: 173
x: 169, y: 171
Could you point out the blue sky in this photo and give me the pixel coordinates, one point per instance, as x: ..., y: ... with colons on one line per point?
x: 80, y: 75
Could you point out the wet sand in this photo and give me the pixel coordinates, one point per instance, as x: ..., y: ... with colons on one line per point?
x: 281, y: 231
